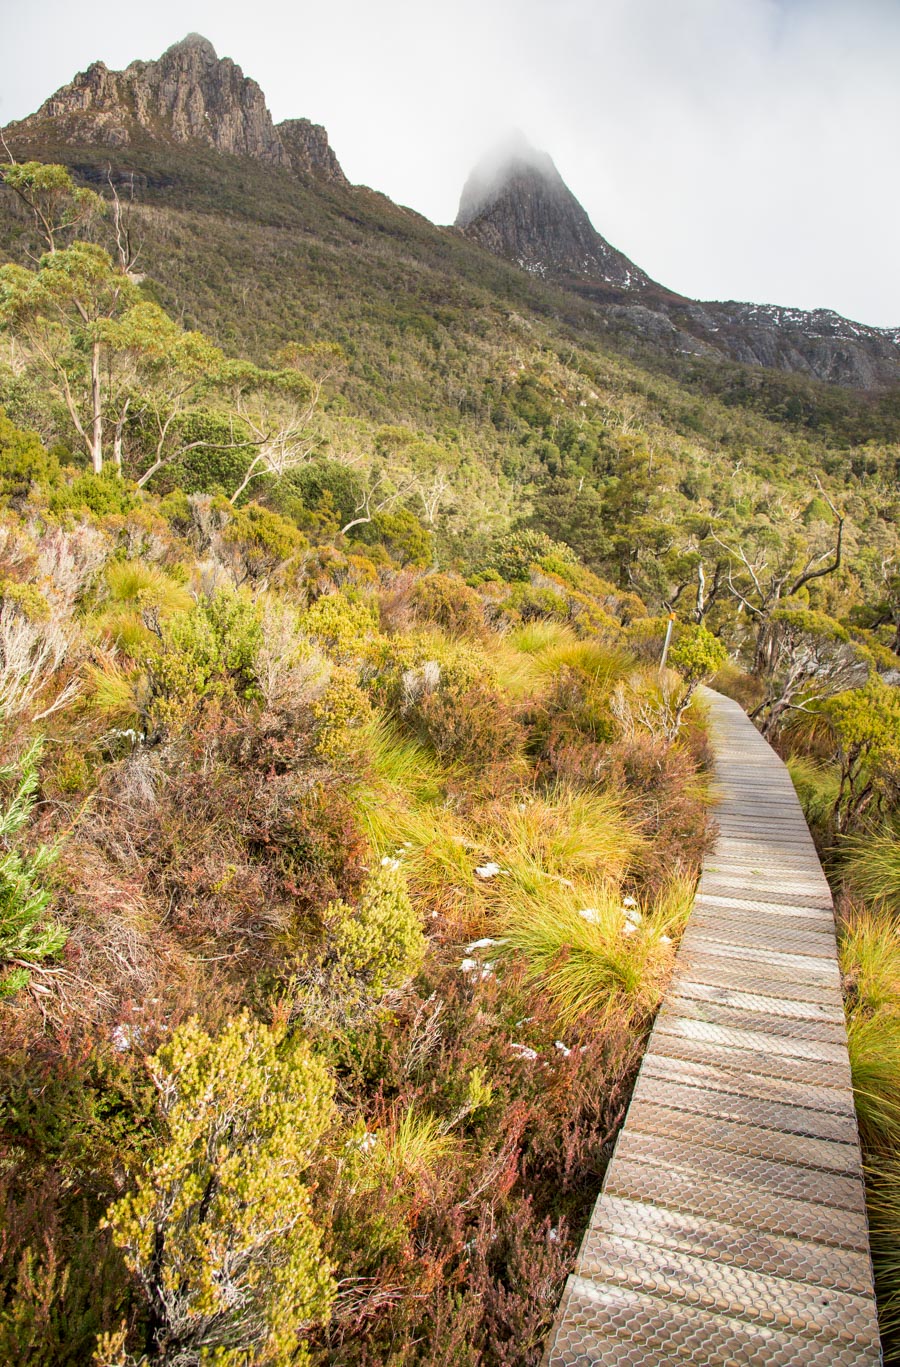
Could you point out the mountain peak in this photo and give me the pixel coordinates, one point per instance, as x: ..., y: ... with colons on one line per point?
x: 188, y: 95
x: 517, y: 205
x: 513, y: 158
x: 193, y: 44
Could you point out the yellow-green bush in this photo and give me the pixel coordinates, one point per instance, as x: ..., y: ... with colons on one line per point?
x: 219, y: 1229
x: 377, y: 944
x: 344, y: 625
x: 207, y: 652
x: 26, y: 599
x: 343, y: 712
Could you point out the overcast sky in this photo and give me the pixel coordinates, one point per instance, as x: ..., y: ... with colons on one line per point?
x: 732, y: 148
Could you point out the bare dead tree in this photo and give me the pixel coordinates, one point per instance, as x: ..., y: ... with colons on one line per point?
x: 281, y: 446
x: 431, y: 495
x: 379, y: 497
x: 126, y: 249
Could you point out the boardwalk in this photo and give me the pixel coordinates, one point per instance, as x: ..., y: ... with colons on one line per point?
x: 731, y: 1228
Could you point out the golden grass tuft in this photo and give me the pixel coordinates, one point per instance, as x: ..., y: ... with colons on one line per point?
x: 872, y: 867
x: 874, y: 1044
x: 579, y: 953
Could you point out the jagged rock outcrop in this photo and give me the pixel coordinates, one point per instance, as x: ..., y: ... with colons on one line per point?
x: 516, y: 204
x: 309, y: 150
x: 189, y: 95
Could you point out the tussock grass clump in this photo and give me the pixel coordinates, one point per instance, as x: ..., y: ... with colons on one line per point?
x: 587, y: 955
x: 565, y: 834
x: 817, y: 788
x: 874, y: 1044
x: 883, y: 1201
x: 870, y: 961
x: 133, y: 581
x: 872, y: 868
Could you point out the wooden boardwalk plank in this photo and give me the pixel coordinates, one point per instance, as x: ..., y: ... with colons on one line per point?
x: 731, y: 1229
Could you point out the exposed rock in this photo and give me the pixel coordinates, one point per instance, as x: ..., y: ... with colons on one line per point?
x: 517, y: 205
x: 188, y: 95
x: 309, y: 150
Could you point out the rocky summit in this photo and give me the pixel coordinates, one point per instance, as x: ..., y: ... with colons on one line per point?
x: 189, y: 95
x: 517, y: 205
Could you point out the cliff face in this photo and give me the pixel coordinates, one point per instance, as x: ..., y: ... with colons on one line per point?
x: 309, y: 150
x: 518, y: 206
x: 188, y: 95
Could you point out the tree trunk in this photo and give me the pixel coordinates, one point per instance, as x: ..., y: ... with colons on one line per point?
x: 117, y: 439
x: 96, y: 414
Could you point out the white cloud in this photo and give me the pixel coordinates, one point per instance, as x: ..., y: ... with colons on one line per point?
x: 732, y: 148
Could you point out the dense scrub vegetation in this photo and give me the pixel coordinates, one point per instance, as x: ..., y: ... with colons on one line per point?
x: 349, y: 823
x: 844, y: 757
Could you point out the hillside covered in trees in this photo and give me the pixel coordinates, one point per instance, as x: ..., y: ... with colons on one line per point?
x: 349, y: 823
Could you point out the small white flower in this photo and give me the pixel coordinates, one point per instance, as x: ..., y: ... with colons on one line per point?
x: 563, y: 1048
x: 488, y: 870
x: 665, y: 939
x: 590, y: 914
x: 388, y: 863
x: 629, y: 902
x: 553, y: 1235
x: 628, y: 928
x: 633, y: 916
x: 525, y: 1052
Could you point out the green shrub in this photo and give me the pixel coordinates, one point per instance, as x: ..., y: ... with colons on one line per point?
x: 343, y: 624
x: 104, y: 495
x: 258, y: 541
x: 219, y: 1229
x: 326, y: 488
x: 379, y: 943
x: 343, y: 713
x: 23, y: 462
x: 513, y: 555
x: 27, y: 600
x: 25, y: 932
x: 401, y: 533
x: 866, y: 723
x: 696, y: 654
x: 450, y: 604
x: 207, y: 652
x: 533, y: 602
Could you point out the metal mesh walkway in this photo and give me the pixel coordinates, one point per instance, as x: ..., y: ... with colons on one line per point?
x: 731, y: 1229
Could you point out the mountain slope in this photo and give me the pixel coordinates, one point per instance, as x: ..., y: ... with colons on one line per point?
x: 192, y: 134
